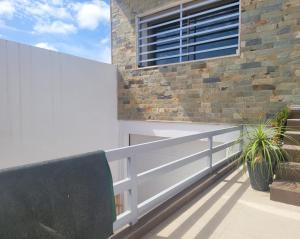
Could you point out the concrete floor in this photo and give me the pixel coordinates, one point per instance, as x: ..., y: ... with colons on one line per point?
x: 231, y: 210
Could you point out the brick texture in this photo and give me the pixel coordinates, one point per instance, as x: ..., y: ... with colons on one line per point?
x: 237, y: 89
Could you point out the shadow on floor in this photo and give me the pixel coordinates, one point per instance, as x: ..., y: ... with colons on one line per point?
x: 219, y: 216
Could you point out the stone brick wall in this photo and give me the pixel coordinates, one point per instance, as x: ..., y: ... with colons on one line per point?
x: 236, y: 89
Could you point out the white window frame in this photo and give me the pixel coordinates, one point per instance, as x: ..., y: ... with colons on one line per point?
x: 180, y: 5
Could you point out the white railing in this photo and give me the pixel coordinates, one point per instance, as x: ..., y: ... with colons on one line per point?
x: 129, y: 184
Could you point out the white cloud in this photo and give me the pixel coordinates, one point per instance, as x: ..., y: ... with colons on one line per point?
x: 58, y: 16
x: 7, y: 8
x: 105, y: 55
x: 45, y: 45
x: 104, y: 41
x: 57, y: 2
x: 90, y: 14
x: 39, y: 9
x: 61, y: 17
x: 105, y: 51
x: 57, y: 27
x: 93, y: 51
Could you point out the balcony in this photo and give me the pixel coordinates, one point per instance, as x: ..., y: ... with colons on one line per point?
x: 216, y: 202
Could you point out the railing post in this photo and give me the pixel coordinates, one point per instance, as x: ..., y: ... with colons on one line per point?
x: 210, y: 146
x: 241, y: 138
x: 133, y: 202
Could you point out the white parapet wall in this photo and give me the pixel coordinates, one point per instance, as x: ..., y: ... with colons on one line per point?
x: 54, y: 105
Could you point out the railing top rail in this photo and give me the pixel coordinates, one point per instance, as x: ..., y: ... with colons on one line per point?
x: 129, y: 151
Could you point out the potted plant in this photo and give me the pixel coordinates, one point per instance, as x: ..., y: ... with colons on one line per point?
x: 262, y: 154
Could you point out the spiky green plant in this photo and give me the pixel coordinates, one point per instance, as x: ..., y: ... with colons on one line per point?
x: 279, y: 124
x: 262, y: 148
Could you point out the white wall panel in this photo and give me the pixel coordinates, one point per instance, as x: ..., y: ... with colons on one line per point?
x: 54, y: 105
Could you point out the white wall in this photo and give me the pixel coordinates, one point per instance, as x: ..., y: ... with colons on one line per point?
x: 170, y: 129
x: 53, y: 105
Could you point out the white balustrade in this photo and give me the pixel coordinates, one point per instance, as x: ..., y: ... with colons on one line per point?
x: 129, y: 184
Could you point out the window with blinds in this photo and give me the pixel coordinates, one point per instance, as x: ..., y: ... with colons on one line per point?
x: 190, y: 31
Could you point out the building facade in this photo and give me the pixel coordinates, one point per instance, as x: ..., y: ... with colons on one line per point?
x: 242, y: 86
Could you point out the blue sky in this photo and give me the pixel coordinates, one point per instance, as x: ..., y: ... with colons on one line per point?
x: 76, y: 27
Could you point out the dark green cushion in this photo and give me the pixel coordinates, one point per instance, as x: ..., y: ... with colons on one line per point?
x: 69, y: 198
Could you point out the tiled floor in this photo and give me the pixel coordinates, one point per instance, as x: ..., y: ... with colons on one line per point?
x: 232, y: 210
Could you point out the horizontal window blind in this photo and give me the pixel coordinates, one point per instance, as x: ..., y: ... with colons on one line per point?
x: 190, y: 31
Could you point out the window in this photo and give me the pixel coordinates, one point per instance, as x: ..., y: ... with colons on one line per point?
x: 191, y: 31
